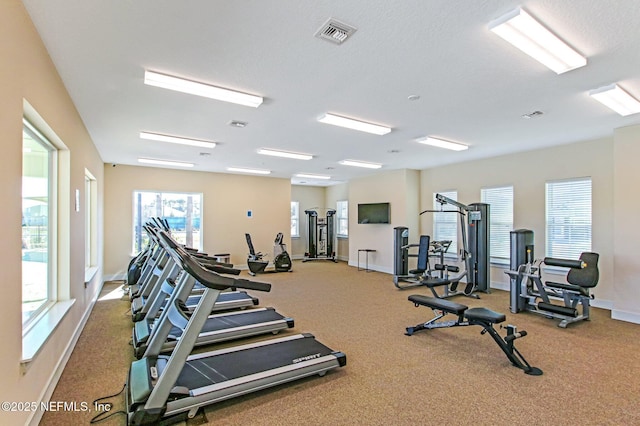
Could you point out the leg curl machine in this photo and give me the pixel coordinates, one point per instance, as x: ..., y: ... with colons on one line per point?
x: 483, y: 317
x: 529, y: 293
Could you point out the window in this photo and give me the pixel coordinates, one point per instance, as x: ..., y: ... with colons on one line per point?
x: 445, y: 225
x: 295, y: 219
x: 500, y: 200
x: 342, y: 213
x: 568, y: 218
x: 39, y: 196
x: 90, y: 221
x: 182, y: 211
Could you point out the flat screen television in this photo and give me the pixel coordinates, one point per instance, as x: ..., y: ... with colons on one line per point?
x: 374, y: 213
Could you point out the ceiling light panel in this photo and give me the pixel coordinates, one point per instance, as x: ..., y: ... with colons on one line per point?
x: 311, y: 176
x: 175, y: 139
x: 356, y: 163
x: 285, y: 154
x: 152, y: 78
x: 164, y: 162
x: 441, y: 143
x: 524, y: 32
x: 617, y: 99
x: 251, y: 171
x: 350, y: 123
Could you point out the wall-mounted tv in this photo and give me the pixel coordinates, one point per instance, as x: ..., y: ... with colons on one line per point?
x: 374, y: 213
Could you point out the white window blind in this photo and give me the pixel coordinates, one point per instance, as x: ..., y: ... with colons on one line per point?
x: 568, y: 218
x: 342, y: 213
x: 500, y: 200
x: 295, y: 219
x: 445, y: 225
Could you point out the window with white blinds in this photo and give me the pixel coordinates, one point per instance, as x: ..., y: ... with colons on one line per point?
x: 445, y: 224
x: 295, y: 219
x: 342, y: 213
x: 500, y: 200
x: 568, y: 218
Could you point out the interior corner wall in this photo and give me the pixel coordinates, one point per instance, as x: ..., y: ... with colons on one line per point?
x: 400, y: 188
x: 226, y: 200
x: 626, y: 232
x: 309, y: 198
x: 333, y: 194
x: 528, y: 172
x: 28, y: 74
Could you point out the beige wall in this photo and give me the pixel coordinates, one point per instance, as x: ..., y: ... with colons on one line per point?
x: 626, y: 232
x: 27, y: 73
x: 528, y: 172
x: 226, y: 200
x: 398, y: 187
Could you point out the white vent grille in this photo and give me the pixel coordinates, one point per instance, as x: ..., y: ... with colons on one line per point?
x: 335, y: 31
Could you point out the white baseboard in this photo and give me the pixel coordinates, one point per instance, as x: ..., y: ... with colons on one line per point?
x: 62, y: 362
x: 633, y: 317
x: 115, y: 277
x: 372, y: 267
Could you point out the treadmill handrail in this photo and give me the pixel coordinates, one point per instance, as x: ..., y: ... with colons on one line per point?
x: 209, y: 278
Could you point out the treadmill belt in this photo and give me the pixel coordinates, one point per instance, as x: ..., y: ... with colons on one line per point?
x: 220, y: 368
x: 225, y: 322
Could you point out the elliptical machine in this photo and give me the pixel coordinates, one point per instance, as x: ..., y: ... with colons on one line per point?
x: 281, y: 258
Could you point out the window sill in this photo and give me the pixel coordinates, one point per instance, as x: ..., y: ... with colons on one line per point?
x: 89, y: 273
x: 38, y: 334
x: 342, y: 237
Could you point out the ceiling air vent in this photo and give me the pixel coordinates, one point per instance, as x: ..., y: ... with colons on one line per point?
x: 335, y: 31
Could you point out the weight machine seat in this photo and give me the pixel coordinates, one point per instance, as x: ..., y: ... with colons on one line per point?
x: 484, y: 315
x: 441, y: 304
x: 432, y: 282
x: 570, y: 287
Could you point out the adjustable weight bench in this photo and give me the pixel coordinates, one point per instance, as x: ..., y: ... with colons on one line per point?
x: 483, y: 317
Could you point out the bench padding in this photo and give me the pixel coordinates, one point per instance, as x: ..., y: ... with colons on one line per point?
x: 441, y: 304
x: 484, y: 314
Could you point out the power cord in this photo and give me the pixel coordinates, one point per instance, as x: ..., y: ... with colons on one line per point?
x: 107, y: 406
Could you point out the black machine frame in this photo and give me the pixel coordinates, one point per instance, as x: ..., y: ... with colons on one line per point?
x: 474, y: 253
x: 321, y: 236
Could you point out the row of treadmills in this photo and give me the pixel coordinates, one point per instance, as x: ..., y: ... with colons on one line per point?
x: 183, y: 299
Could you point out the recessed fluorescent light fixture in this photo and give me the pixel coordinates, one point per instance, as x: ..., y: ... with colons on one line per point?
x: 310, y: 176
x: 152, y: 78
x: 617, y: 99
x: 164, y: 162
x: 285, y: 154
x: 252, y: 171
x: 178, y: 140
x: 440, y: 143
x: 350, y: 123
x: 360, y: 164
x: 524, y: 32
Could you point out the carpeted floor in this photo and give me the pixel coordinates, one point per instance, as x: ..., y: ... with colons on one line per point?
x: 444, y: 376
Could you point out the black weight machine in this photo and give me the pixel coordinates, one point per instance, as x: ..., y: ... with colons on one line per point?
x: 320, y: 236
x: 529, y: 293
x: 474, y: 254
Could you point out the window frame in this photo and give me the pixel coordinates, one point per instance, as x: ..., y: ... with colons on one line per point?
x: 52, y: 225
x: 158, y: 195
x: 500, y: 251
x: 295, y: 219
x: 342, y: 219
x: 573, y: 246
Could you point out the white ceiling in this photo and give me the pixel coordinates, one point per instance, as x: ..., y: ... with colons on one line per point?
x: 473, y: 86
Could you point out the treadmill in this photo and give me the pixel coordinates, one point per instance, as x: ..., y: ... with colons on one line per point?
x: 217, y: 328
x: 174, y: 388
x: 149, y: 305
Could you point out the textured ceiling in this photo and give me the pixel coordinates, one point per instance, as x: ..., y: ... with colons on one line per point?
x: 473, y: 86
